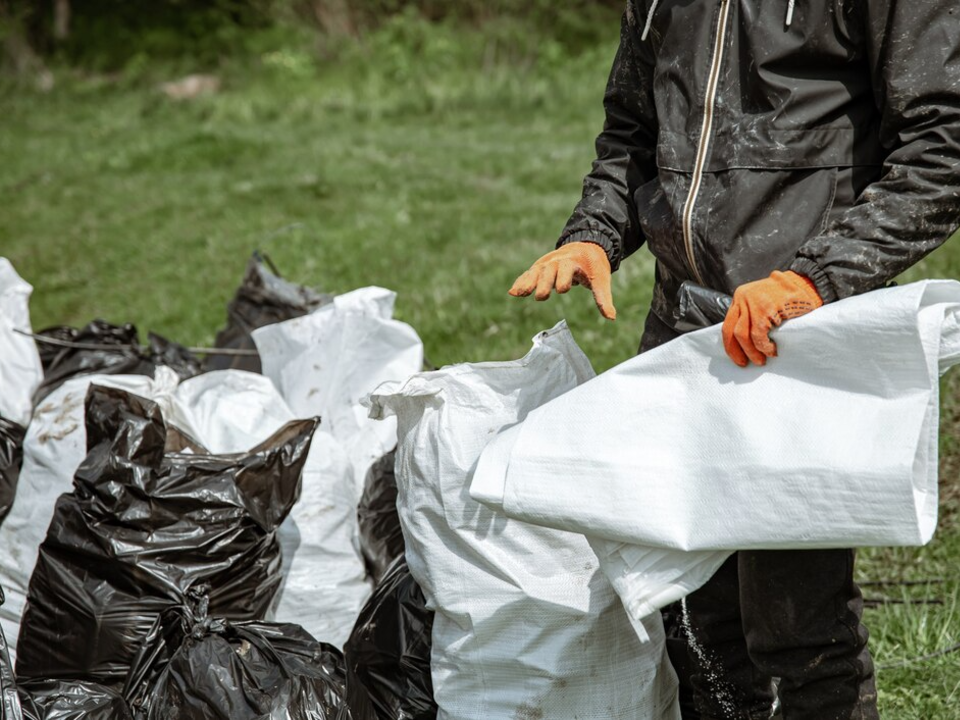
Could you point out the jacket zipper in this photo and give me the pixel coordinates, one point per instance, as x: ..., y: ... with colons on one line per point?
x: 705, y: 136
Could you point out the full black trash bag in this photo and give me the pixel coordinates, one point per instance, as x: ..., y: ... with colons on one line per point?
x: 173, y: 355
x: 10, y: 708
x: 196, y: 667
x: 71, y: 700
x: 263, y: 298
x: 152, y: 514
x: 11, y: 459
x: 125, y: 356
x: 381, y: 539
x: 388, y: 653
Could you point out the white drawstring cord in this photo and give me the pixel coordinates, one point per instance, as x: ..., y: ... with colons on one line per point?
x: 646, y: 28
x: 790, y: 6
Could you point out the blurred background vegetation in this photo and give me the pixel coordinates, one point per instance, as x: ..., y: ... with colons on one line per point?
x: 432, y: 147
x: 110, y: 35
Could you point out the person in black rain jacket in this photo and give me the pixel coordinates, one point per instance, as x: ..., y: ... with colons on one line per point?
x: 791, y: 153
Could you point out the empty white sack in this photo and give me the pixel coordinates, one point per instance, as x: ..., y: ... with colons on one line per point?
x: 832, y: 444
x: 20, y: 369
x: 526, y: 624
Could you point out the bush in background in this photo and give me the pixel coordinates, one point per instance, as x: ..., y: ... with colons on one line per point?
x: 110, y: 35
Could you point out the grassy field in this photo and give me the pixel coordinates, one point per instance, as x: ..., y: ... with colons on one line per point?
x: 432, y: 162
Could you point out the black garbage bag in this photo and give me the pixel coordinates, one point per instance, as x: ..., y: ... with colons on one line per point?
x: 152, y: 514
x: 196, y: 667
x: 11, y: 459
x: 699, y: 307
x: 381, y: 539
x: 119, y: 353
x: 10, y: 708
x: 388, y: 653
x: 173, y: 355
x: 263, y: 298
x: 71, y: 700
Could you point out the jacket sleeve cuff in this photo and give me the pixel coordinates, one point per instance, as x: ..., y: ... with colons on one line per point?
x: 597, y: 237
x: 808, y: 268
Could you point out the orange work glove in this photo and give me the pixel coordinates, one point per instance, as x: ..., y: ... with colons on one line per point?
x: 758, y: 308
x: 578, y: 263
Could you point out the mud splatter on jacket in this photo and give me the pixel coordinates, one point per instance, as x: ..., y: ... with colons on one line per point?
x: 739, y: 141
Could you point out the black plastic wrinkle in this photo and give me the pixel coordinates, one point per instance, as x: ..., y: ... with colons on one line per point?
x: 388, y: 653
x: 151, y: 515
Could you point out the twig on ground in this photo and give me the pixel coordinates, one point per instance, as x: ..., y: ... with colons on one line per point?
x: 102, y: 347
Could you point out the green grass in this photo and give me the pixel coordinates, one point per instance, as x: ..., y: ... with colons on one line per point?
x: 439, y: 172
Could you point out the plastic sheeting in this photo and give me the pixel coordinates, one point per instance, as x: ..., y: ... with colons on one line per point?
x: 11, y: 459
x: 71, y: 700
x: 20, y: 369
x: 832, y: 444
x: 381, y: 537
x: 699, y: 307
x: 323, y: 364
x: 9, y: 700
x: 152, y: 515
x: 118, y: 353
x: 526, y: 625
x: 388, y: 653
x: 196, y: 667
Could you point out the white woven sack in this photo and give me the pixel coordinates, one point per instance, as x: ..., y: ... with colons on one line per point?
x: 323, y: 364
x: 646, y: 578
x: 832, y: 444
x: 20, y: 369
x: 326, y: 362
x: 55, y: 445
x: 527, y: 626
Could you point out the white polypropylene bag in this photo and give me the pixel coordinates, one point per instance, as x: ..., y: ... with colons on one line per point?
x: 832, y: 444
x: 55, y: 445
x: 323, y: 364
x: 326, y: 362
x: 20, y: 369
x: 645, y: 578
x: 526, y: 625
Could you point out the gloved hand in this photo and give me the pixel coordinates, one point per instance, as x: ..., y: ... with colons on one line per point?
x: 578, y: 263
x: 758, y: 308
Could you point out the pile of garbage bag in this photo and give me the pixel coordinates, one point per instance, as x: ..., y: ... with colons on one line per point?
x: 162, y: 516
x: 304, y: 525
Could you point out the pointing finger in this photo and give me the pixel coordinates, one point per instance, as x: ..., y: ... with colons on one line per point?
x: 525, y: 284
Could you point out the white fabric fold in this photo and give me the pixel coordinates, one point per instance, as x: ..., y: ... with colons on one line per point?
x: 832, y: 444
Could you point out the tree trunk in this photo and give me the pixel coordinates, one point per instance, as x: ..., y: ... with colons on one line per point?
x: 16, y: 53
x: 334, y: 17
x: 61, y: 20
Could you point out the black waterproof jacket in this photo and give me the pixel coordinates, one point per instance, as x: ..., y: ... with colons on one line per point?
x: 746, y: 136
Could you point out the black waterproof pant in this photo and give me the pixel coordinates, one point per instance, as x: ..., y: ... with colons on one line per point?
x: 788, y: 614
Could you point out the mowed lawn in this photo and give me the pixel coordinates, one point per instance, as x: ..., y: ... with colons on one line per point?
x: 440, y: 173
